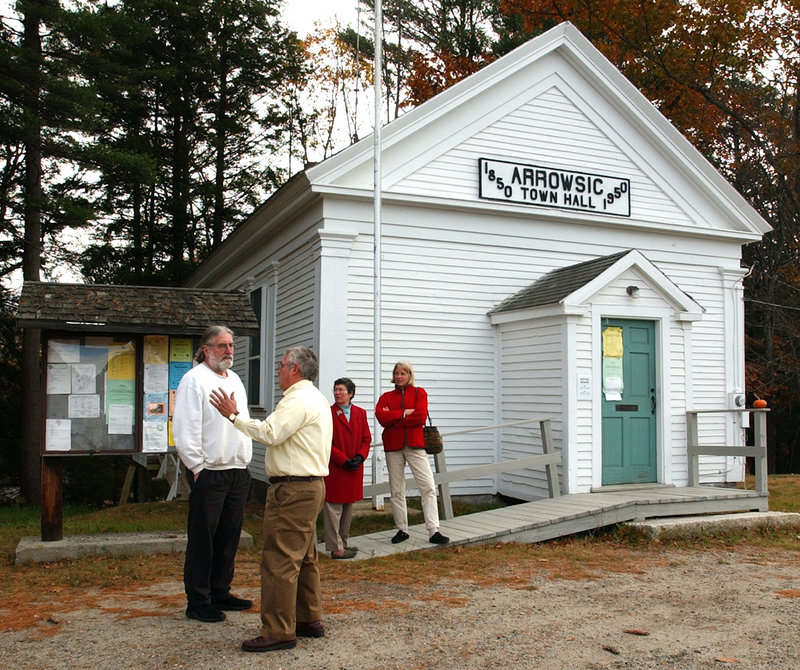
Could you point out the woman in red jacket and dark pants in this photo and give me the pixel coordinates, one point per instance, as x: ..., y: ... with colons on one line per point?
x: 344, y: 484
x: 402, y: 413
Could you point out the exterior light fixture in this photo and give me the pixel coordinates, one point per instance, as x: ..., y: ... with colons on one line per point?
x: 632, y: 291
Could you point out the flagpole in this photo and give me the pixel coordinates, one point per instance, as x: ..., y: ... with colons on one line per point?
x: 377, y: 454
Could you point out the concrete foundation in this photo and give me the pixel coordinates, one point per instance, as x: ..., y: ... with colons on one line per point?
x: 709, y: 523
x: 33, y: 550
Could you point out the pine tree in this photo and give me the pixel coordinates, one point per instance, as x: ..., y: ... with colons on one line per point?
x: 45, y: 105
x: 192, y: 107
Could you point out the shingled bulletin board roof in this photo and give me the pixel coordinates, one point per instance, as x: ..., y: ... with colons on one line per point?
x: 133, y: 309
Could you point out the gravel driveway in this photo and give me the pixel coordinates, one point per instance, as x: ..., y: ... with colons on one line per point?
x: 677, y: 609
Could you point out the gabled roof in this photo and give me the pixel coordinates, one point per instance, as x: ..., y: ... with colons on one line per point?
x: 452, y: 118
x: 133, y: 309
x: 570, y: 287
x: 557, y: 284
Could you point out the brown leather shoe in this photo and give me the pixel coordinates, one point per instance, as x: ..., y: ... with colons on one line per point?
x: 310, y: 629
x: 267, y: 644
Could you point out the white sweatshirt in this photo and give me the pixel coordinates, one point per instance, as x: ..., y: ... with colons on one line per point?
x: 205, y: 439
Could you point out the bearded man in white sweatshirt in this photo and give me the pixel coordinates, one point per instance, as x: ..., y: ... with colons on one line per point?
x: 217, y: 456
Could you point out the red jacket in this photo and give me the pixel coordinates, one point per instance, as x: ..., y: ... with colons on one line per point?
x: 399, y: 432
x: 349, y: 438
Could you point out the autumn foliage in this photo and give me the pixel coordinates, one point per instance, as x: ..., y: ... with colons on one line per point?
x: 430, y: 77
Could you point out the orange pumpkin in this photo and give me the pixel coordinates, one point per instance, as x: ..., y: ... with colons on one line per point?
x: 760, y: 403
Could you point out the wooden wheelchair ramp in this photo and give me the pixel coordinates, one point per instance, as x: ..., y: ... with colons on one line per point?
x: 564, y: 515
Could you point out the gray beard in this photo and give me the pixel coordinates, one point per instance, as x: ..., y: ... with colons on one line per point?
x: 220, y: 365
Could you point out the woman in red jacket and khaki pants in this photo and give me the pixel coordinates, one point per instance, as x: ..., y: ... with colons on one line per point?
x: 402, y: 413
x: 344, y: 484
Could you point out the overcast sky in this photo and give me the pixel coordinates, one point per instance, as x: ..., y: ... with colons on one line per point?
x: 298, y: 14
x: 301, y: 14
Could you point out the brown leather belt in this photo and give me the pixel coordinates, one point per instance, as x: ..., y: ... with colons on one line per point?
x: 292, y: 478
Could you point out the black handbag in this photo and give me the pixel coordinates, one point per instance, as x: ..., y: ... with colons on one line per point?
x: 433, y: 439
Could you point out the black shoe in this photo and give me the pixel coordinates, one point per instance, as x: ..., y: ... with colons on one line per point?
x: 401, y: 536
x: 438, y: 538
x: 207, y: 613
x: 349, y: 552
x: 232, y: 604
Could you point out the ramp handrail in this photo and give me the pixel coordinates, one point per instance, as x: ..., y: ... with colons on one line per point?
x: 758, y: 450
x: 442, y: 477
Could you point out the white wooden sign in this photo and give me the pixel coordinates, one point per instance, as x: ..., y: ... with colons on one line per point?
x: 551, y: 187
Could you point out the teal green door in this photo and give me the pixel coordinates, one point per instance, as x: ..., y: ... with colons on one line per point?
x: 629, y: 412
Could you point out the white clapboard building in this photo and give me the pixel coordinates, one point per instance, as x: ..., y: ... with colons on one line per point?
x: 550, y: 247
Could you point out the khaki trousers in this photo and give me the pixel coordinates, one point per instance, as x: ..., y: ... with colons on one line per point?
x: 290, y: 584
x: 338, y: 517
x: 420, y: 467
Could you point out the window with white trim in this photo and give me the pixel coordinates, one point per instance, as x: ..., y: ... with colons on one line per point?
x: 255, y: 349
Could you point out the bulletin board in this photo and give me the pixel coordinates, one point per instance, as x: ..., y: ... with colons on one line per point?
x: 111, y: 394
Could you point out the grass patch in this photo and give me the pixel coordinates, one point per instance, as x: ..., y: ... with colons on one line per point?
x: 19, y: 516
x: 763, y: 537
x: 17, y: 521
x: 784, y: 492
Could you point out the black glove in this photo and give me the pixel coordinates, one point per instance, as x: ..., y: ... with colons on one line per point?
x: 353, y: 463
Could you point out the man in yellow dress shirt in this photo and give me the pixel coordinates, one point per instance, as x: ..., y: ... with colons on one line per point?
x: 298, y: 436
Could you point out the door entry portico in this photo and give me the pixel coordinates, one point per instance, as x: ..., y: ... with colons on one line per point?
x: 629, y: 402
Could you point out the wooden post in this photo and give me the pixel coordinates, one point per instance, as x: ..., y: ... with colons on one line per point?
x: 692, y: 456
x: 52, y: 498
x: 445, y: 501
x: 760, y: 440
x: 125, y: 495
x: 547, y: 448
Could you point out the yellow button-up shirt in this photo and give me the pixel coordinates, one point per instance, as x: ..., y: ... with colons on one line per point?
x: 298, y: 433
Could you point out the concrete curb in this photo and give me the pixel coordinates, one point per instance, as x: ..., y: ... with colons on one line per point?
x: 699, y: 525
x: 34, y: 550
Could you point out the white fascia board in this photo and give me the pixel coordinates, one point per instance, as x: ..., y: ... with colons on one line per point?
x: 536, y: 313
x: 496, y: 208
